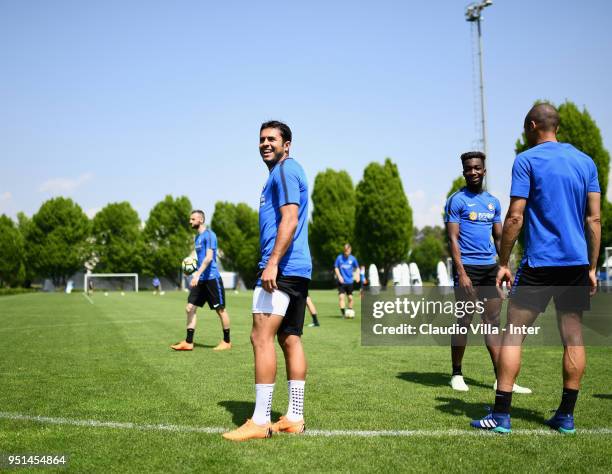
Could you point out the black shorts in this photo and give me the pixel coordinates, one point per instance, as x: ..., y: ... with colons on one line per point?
x: 345, y: 288
x: 483, y: 280
x: 568, y: 286
x: 297, y: 289
x: 210, y: 291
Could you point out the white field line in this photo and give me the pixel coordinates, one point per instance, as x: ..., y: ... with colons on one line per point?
x: 327, y: 433
x: 119, y: 321
x: 87, y: 297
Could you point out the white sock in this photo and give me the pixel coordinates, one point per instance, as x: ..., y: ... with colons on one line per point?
x: 295, y: 410
x: 263, y: 403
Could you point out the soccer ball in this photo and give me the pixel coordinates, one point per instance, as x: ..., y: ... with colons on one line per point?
x: 350, y: 313
x: 190, y: 265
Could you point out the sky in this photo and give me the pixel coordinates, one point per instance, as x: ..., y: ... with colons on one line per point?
x: 108, y: 101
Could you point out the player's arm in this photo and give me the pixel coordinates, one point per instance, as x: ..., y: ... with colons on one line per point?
x: 284, y: 237
x: 593, y: 233
x: 513, y: 223
x: 452, y: 229
x: 338, y: 275
x: 497, y: 235
x: 207, y: 259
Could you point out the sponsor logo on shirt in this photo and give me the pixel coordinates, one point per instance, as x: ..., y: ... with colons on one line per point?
x: 473, y: 216
x: 491, y: 206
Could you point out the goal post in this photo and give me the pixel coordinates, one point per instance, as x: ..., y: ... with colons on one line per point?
x: 110, y: 277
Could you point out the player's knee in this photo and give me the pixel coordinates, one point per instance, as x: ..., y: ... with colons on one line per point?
x: 190, y: 308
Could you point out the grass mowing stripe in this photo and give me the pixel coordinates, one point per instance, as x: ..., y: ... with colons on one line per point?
x: 323, y: 433
x: 87, y: 298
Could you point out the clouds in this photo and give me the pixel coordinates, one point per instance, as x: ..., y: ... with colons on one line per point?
x: 64, y: 185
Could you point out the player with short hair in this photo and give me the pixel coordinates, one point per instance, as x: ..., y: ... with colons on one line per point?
x: 279, y: 299
x: 206, y: 285
x: 474, y: 229
x: 344, y: 267
x: 555, y: 191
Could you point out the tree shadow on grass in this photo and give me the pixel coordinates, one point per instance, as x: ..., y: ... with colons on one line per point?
x: 242, y: 410
x: 436, y: 379
x: 603, y: 396
x: 474, y: 411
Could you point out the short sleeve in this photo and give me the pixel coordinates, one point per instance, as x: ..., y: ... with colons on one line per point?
x: 521, y: 177
x: 593, y: 180
x: 453, y: 209
x: 337, y: 262
x: 497, y: 217
x: 288, y: 185
x: 212, y: 241
x: 355, y: 263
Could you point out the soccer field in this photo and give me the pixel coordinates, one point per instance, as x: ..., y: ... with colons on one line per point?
x: 109, y: 392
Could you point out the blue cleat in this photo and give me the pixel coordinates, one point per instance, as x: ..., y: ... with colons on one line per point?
x: 496, y: 422
x: 563, y: 423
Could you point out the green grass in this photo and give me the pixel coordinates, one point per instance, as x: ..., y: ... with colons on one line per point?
x: 63, y: 357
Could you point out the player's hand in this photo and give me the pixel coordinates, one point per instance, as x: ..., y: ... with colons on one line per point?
x: 341, y: 280
x: 504, y: 275
x: 593, y: 281
x: 268, y: 278
x: 194, y: 280
x: 466, y: 284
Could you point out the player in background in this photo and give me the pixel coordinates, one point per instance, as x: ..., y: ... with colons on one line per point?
x: 206, y: 285
x: 474, y: 229
x: 344, y: 267
x: 279, y: 299
x: 157, y: 289
x: 312, y: 309
x: 556, y: 193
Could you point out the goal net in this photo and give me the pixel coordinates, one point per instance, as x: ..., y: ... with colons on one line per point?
x: 110, y: 282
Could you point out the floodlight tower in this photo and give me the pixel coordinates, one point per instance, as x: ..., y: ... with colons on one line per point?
x: 473, y: 13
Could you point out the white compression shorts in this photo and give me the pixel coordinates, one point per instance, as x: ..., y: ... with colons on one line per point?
x: 270, y: 303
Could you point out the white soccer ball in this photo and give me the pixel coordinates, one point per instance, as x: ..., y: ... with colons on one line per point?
x: 190, y: 265
x: 350, y: 313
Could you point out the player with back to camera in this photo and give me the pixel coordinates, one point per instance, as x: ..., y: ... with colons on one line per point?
x: 206, y: 285
x: 556, y: 193
x: 279, y: 299
x: 473, y: 225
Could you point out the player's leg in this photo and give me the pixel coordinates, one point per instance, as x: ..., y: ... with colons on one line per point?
x: 350, y: 299
x: 312, y: 309
x: 216, y: 301
x: 268, y: 312
x: 508, y: 367
x: 458, y: 343
x: 187, y: 344
x: 196, y: 299
x: 341, y: 299
x: 569, y: 322
x: 289, y: 338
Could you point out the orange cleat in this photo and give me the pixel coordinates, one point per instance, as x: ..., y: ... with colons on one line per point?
x: 223, y: 346
x: 283, y: 425
x: 249, y: 430
x: 182, y: 346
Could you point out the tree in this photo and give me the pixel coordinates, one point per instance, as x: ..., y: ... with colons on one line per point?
x: 56, y: 240
x: 427, y: 254
x: 333, y: 216
x: 168, y: 236
x: 237, y: 229
x: 117, y: 239
x: 12, y: 257
x: 578, y: 128
x: 383, y: 217
x: 458, y: 183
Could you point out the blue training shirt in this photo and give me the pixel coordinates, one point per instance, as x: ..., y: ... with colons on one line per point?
x: 555, y: 178
x: 286, y: 184
x: 475, y: 213
x: 204, y: 241
x: 346, y: 265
